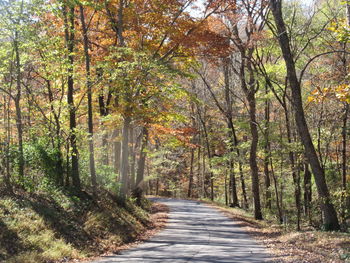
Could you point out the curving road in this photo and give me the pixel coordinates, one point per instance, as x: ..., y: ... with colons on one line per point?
x: 195, y: 233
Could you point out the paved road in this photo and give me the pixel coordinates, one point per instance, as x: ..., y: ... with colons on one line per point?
x: 195, y: 233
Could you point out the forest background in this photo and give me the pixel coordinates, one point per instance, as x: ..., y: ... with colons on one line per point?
x: 232, y: 101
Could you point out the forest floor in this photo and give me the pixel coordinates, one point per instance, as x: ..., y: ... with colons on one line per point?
x: 56, y: 226
x: 289, y: 246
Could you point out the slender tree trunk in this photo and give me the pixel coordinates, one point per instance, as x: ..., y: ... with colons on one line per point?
x: 267, y: 152
x: 199, y: 177
x: 125, y: 158
x: 344, y: 156
x: 139, y: 188
x: 133, y: 146
x: 233, y: 186
x: 226, y: 194
x: 67, y: 181
x: 104, y: 111
x: 58, y: 144
x: 295, y: 173
x: 211, y: 179
x: 233, y: 140
x: 204, y: 176
x: 249, y: 90
x: 142, y: 161
x: 157, y: 187
x: 117, y: 149
x: 18, y: 108
x: 8, y: 141
x: 69, y: 29
x: 253, y: 158
x: 279, y: 210
x: 89, y: 96
x: 190, y: 179
x: 307, y: 190
x: 330, y: 215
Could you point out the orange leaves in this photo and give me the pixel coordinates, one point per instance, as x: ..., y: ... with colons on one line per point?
x: 210, y: 40
x: 183, y: 135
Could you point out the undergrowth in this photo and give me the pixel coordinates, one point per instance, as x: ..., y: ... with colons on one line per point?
x: 53, y: 225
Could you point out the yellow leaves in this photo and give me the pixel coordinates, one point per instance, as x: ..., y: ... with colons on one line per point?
x: 334, y: 27
x: 340, y: 92
x: 310, y: 99
x: 341, y: 30
x: 317, y: 95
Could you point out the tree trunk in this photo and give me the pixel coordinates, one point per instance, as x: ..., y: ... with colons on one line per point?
x: 190, y: 179
x: 279, y: 210
x: 132, y: 154
x: 199, y: 177
x: 211, y: 175
x: 116, y: 149
x: 330, y: 216
x: 226, y: 194
x: 19, y: 124
x: 138, y: 190
x: 232, y: 136
x: 253, y: 157
x: 69, y: 36
x: 267, y: 152
x: 295, y: 173
x: 8, y: 141
x: 89, y: 96
x: 249, y: 90
x: 142, y: 161
x: 344, y: 158
x: 307, y: 188
x: 104, y: 111
x: 124, y: 170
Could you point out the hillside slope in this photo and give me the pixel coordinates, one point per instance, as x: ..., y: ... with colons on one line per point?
x: 56, y: 226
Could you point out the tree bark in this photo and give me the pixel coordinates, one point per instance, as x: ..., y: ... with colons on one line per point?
x: 330, y: 216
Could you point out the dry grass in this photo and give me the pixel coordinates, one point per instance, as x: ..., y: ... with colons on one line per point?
x: 294, y: 247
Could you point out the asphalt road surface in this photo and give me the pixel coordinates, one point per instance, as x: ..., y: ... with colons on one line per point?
x: 195, y: 233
